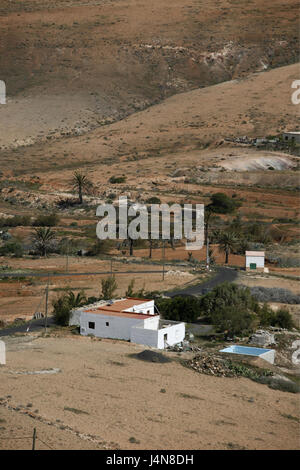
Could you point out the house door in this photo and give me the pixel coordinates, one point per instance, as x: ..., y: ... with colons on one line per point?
x: 252, y: 265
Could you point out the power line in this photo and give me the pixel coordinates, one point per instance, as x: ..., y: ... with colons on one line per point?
x: 34, y: 274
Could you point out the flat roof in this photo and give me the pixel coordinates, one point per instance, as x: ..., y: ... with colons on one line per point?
x: 255, y: 253
x: 118, y: 308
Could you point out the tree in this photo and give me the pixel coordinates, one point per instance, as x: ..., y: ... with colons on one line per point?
x: 220, y: 204
x: 179, y: 308
x: 227, y: 295
x: 227, y: 243
x: 231, y: 309
x: 42, y: 238
x: 80, y: 183
x: 61, y: 311
x: 76, y: 300
x: 234, y: 320
x: 63, y: 305
x: 109, y: 286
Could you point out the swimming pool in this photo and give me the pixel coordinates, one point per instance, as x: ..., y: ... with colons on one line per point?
x: 266, y: 354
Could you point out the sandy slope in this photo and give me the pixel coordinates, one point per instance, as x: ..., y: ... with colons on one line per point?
x: 118, y: 57
x: 120, y: 397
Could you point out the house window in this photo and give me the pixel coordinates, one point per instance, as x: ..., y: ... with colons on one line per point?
x: 107, y: 323
x: 91, y: 325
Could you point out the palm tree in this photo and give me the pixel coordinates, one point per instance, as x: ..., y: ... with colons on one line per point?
x: 227, y: 243
x: 80, y: 183
x: 42, y: 238
x: 76, y: 300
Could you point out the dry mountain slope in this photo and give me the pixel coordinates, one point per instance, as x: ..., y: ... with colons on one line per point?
x: 71, y: 65
x: 180, y: 127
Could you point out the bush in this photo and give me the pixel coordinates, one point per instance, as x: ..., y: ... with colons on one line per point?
x: 12, y: 248
x: 130, y: 291
x: 284, y: 319
x: 153, y: 200
x: 230, y: 308
x: 234, y: 320
x: 61, y: 311
x: 63, y: 305
x: 100, y: 247
x: 16, y: 221
x: 268, y: 317
x: 179, y: 308
x: 46, y: 220
x: 109, y: 286
x: 117, y: 179
x: 227, y: 295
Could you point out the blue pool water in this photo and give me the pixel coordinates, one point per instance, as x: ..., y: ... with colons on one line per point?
x: 245, y: 350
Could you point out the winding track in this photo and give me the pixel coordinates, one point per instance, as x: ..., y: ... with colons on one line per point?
x: 223, y: 275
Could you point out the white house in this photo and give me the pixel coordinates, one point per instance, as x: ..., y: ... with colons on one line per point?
x: 129, y: 319
x: 255, y: 260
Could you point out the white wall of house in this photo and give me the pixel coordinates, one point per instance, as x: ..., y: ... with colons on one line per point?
x: 158, y: 338
x: 258, y: 260
x: 146, y: 336
x: 75, y: 317
x: 152, y: 323
x: 108, y: 326
x: 171, y: 335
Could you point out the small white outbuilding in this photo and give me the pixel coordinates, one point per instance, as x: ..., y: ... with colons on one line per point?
x: 255, y: 260
x: 2, y: 353
x: 128, y: 319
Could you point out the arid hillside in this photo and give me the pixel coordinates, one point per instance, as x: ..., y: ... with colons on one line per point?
x: 71, y: 66
x: 176, y: 132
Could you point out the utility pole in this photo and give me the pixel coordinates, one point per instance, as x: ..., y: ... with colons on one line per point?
x: 163, y: 253
x: 111, y: 269
x: 46, y: 306
x: 67, y: 256
x: 207, y: 254
x: 33, y: 438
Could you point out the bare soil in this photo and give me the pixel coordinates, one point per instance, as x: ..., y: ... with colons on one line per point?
x: 103, y: 392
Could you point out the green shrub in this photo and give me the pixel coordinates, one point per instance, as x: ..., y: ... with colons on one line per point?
x: 179, y: 308
x: 12, y: 248
x: 268, y: 317
x: 50, y: 220
x: 233, y: 320
x: 117, y: 179
x: 63, y: 305
x: 16, y: 221
x: 153, y: 200
x: 109, y: 286
x: 227, y: 295
x: 231, y: 308
x: 284, y: 319
x: 61, y: 311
